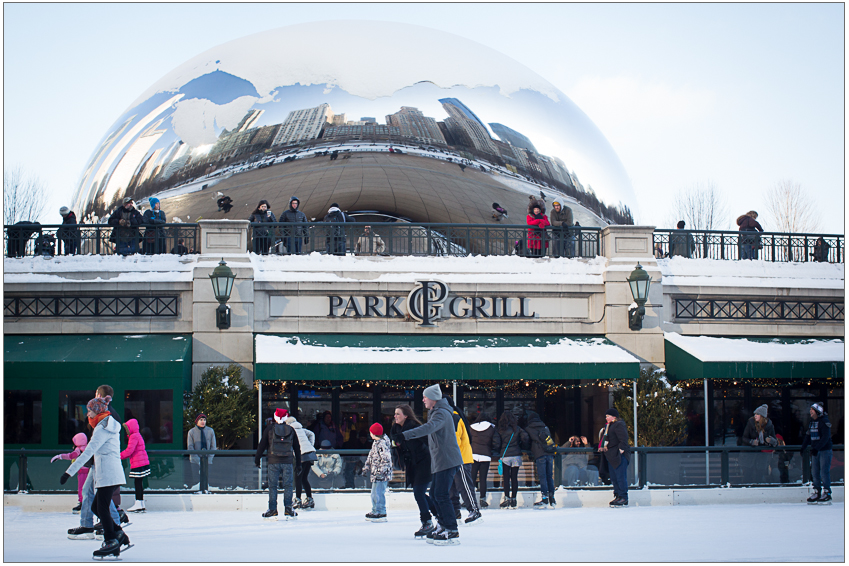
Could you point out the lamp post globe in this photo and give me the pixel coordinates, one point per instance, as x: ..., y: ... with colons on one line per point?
x: 222, y: 279
x: 639, y: 281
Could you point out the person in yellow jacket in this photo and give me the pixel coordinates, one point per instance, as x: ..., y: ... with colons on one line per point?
x: 463, y: 484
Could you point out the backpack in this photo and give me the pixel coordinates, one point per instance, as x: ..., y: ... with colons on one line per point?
x: 281, y: 440
x: 544, y: 436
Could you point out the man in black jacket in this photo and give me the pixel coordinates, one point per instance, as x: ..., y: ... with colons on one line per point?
x: 281, y: 441
x: 618, y: 453
x: 293, y: 237
x: 819, y: 439
x: 126, y: 221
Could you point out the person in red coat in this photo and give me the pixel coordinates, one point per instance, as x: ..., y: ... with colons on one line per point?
x: 536, y: 235
x: 139, y: 462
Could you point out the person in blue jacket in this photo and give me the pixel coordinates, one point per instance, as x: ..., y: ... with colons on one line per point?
x: 154, y: 234
x: 819, y: 439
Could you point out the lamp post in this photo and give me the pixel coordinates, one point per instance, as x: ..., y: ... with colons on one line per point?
x: 639, y: 281
x: 222, y: 278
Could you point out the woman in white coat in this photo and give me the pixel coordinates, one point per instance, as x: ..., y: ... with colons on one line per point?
x: 105, y: 447
x: 306, y: 440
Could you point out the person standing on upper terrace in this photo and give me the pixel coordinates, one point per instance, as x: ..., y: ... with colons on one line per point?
x: 69, y: 233
x: 681, y: 243
x: 336, y: 241
x: 749, y: 243
x: 562, y: 220
x: 154, y: 234
x: 537, y: 235
x: 293, y: 238
x: 126, y: 221
x: 262, y: 236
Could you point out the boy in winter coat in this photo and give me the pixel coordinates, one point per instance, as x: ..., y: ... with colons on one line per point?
x: 139, y: 462
x: 80, y: 441
x: 378, y: 467
x: 200, y: 437
x: 819, y: 439
x: 284, y: 450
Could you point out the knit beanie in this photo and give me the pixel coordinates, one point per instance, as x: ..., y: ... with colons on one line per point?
x: 325, y: 444
x: 818, y: 408
x: 761, y: 411
x: 612, y: 412
x: 64, y: 211
x: 280, y: 414
x: 153, y: 201
x: 376, y: 429
x: 200, y: 416
x: 434, y: 393
x: 99, y: 405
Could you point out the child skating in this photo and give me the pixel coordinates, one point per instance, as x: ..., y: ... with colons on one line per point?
x: 80, y: 441
x: 378, y: 467
x: 139, y: 463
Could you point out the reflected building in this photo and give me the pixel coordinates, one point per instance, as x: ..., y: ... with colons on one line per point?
x: 512, y: 137
x: 465, y: 125
x: 303, y: 125
x: 414, y: 124
x: 360, y: 131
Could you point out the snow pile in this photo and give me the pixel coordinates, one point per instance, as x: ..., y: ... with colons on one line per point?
x: 115, y: 268
x: 684, y: 272
x: 709, y: 349
x: 290, y: 350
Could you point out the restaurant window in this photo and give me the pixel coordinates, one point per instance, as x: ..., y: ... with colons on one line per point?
x: 22, y: 421
x: 275, y: 396
x: 476, y: 401
x: 729, y: 414
x: 356, y: 407
x: 694, y: 403
x: 154, y: 411
x: 523, y: 396
x: 73, y: 416
x: 313, y: 402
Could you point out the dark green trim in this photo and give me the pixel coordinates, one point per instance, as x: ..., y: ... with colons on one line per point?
x: 681, y: 365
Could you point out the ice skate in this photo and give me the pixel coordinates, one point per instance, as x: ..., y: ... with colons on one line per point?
x: 513, y: 503
x: 109, y: 550
x: 427, y: 527
x: 76, y: 510
x: 505, y: 503
x: 814, y: 499
x: 125, y: 520
x: 551, y: 502
x: 308, y: 503
x: 297, y: 504
x: 542, y: 503
x: 376, y: 517
x: 289, y: 514
x: 138, y: 507
x: 825, y: 499
x: 484, y: 504
x: 473, y: 519
x: 81, y: 533
x: 270, y: 515
x: 124, y: 541
x: 446, y: 538
x: 438, y: 530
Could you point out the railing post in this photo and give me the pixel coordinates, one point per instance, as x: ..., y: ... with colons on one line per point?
x: 22, y: 471
x: 204, y: 474
x: 644, y: 466
x: 723, y: 479
x: 429, y: 241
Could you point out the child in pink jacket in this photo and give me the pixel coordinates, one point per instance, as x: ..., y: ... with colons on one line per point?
x: 139, y: 462
x: 80, y: 441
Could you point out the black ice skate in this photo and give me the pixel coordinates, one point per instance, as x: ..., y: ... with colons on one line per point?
x: 505, y: 503
x: 376, y: 517
x: 81, y: 533
x: 270, y: 515
x: 813, y: 499
x: 446, y: 538
x: 109, y: 550
x: 297, y: 504
x: 427, y: 527
x: 513, y: 503
x: 438, y: 530
x: 124, y: 541
x: 76, y: 510
x: 551, y: 500
x: 542, y: 503
x: 825, y: 499
x: 474, y: 518
x: 308, y: 503
x: 289, y: 514
x: 484, y: 504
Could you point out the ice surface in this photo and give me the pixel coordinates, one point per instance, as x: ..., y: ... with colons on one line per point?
x: 721, y: 533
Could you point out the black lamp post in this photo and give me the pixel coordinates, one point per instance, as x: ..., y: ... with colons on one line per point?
x: 222, y: 285
x: 640, y: 281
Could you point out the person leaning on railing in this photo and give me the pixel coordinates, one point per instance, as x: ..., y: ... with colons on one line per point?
x: 820, y: 250
x: 369, y: 244
x: 262, y: 236
x: 749, y: 244
x: 126, y: 221
x: 681, y: 243
x: 69, y: 233
x: 561, y: 223
x: 294, y: 238
x: 154, y: 235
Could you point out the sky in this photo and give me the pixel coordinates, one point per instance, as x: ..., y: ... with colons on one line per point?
x: 739, y: 95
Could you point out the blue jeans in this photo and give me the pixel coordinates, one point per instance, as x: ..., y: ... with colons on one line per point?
x: 378, y: 497
x: 545, y: 471
x: 293, y: 245
x: 86, y: 515
x: 422, y: 500
x: 127, y: 246
x: 440, y: 489
x: 619, y: 478
x: 821, y: 470
x: 275, y: 472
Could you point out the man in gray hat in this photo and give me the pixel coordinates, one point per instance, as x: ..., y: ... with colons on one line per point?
x: 445, y: 462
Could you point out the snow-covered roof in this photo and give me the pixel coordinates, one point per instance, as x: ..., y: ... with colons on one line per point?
x: 710, y: 349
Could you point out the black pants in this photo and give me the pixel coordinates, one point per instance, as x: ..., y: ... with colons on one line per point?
x: 302, y: 480
x: 116, y: 497
x: 511, y: 476
x: 480, y: 470
x: 139, y: 489
x: 100, y: 507
x: 463, y: 486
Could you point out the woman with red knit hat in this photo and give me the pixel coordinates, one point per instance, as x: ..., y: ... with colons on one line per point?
x: 379, y: 467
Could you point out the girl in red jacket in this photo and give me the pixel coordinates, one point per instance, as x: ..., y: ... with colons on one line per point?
x: 80, y: 441
x: 536, y: 235
x: 139, y: 462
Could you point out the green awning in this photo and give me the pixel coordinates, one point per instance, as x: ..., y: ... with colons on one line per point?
x: 97, y: 356
x: 462, y: 358
x: 700, y: 357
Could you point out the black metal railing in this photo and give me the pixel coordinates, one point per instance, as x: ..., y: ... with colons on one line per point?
x: 767, y: 246
x: 31, y: 239
x: 575, y: 468
x: 401, y: 238
x: 757, y: 309
x: 17, y: 307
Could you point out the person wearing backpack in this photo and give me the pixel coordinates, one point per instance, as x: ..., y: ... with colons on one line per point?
x: 513, y: 438
x: 542, y: 452
x: 284, y: 450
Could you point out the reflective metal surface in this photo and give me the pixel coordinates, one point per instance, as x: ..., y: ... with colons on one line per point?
x: 275, y: 98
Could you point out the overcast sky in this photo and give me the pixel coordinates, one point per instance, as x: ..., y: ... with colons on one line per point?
x: 741, y: 95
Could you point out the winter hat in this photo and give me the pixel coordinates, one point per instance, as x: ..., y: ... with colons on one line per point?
x: 128, y: 199
x: 612, y: 412
x: 153, y: 201
x: 332, y: 205
x: 280, y: 414
x: 64, y: 211
x: 376, y: 429
x: 80, y: 440
x: 200, y: 416
x: 434, y: 393
x: 325, y: 444
x: 556, y: 202
x: 818, y: 408
x: 99, y: 405
x: 761, y: 411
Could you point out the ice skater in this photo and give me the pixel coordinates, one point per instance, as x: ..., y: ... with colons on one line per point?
x: 378, y: 467
x: 618, y: 454
x: 80, y: 441
x: 818, y: 438
x: 415, y: 459
x: 105, y: 448
x: 284, y: 450
x: 139, y: 463
x: 306, y: 441
x: 445, y: 461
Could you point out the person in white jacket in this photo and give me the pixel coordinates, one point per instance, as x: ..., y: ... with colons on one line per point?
x: 105, y: 448
x: 306, y: 440
x: 328, y: 466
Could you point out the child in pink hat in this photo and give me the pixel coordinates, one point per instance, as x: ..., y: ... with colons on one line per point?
x: 80, y: 441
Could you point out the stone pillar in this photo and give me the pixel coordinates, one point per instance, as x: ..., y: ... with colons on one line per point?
x: 227, y: 240
x: 624, y: 247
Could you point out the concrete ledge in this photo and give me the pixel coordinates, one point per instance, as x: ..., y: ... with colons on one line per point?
x: 258, y: 502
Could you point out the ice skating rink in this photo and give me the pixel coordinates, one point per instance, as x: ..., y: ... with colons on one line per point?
x: 704, y: 533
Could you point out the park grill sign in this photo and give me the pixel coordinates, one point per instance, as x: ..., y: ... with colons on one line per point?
x: 427, y: 303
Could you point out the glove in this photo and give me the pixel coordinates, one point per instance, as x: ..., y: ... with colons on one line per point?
x: 64, y: 478
x: 54, y: 458
x: 772, y: 441
x: 754, y: 442
x: 814, y: 452
x: 123, y: 222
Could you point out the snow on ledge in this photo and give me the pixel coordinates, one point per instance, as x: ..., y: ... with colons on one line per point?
x: 281, y: 350
x: 710, y: 349
x: 683, y: 272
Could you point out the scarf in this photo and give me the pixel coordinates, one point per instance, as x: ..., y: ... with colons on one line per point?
x: 94, y: 421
